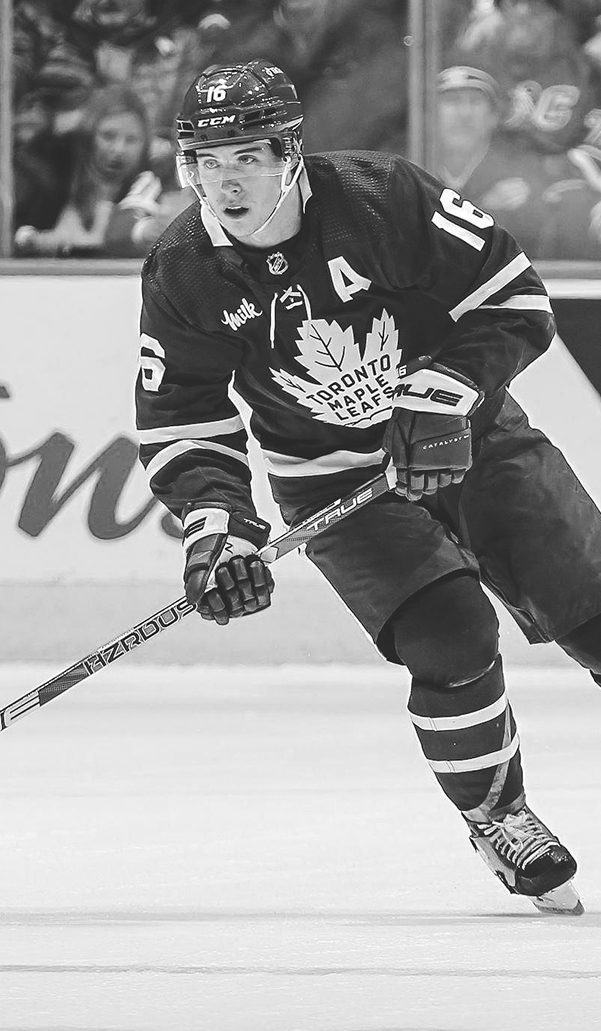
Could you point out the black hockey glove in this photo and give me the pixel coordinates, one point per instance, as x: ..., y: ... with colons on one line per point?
x: 428, y: 435
x: 224, y: 577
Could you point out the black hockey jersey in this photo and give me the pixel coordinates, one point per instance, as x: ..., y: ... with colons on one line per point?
x: 389, y: 265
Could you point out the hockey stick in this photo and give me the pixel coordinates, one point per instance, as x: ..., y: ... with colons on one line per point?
x: 173, y: 613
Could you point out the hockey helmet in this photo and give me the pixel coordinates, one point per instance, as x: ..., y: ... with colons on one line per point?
x: 248, y: 102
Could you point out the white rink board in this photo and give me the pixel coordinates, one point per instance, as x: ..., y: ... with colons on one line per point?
x: 69, y: 355
x: 69, y: 363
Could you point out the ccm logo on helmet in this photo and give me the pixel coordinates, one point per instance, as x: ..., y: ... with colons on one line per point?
x: 218, y: 120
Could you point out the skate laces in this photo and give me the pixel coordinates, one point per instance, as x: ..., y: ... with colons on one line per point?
x: 520, y: 837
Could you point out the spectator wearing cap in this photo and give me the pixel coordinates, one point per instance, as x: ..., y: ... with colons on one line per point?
x: 552, y: 216
x: 532, y: 49
x: 468, y: 117
x: 475, y: 161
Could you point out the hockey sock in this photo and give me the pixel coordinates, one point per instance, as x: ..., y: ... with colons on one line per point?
x: 469, y: 738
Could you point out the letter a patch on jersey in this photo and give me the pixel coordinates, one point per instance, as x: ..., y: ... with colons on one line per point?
x: 348, y: 386
x: 345, y: 280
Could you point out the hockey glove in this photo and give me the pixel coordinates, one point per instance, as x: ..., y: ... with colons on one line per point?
x: 428, y: 435
x: 223, y: 576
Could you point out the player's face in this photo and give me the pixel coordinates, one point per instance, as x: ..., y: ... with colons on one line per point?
x: 118, y: 144
x: 465, y: 116
x: 242, y: 183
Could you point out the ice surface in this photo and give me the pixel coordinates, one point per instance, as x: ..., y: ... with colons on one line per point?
x: 266, y: 850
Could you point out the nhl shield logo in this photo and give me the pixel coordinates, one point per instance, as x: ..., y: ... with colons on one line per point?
x: 276, y: 263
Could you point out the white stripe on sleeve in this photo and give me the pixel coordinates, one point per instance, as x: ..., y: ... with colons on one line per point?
x: 162, y: 434
x: 511, y: 271
x: 173, y: 451
x: 336, y: 462
x: 530, y: 302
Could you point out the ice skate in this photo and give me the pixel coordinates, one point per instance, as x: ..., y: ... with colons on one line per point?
x: 529, y: 860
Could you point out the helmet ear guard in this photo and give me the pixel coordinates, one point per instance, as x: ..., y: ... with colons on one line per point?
x: 186, y: 167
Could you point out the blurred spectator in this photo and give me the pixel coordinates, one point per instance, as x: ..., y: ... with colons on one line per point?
x: 498, y: 177
x: 138, y: 220
x: 454, y: 17
x: 587, y: 156
x: 214, y: 15
x: 583, y: 14
x: 65, y: 51
x: 551, y: 210
x: 38, y: 26
x: 484, y: 19
x: 347, y: 59
x: 592, y: 45
x: 109, y: 172
x: 39, y: 159
x: 572, y: 229
x: 531, y: 48
x: 481, y: 24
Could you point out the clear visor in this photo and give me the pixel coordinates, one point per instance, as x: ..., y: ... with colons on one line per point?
x: 196, y: 168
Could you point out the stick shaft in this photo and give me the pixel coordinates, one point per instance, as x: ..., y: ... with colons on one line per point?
x: 176, y: 610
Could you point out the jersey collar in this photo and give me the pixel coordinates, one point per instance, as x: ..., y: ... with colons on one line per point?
x: 217, y: 234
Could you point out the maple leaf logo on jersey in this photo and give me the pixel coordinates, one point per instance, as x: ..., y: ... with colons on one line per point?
x: 347, y: 387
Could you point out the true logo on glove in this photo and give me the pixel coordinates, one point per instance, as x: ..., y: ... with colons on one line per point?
x: 435, y: 394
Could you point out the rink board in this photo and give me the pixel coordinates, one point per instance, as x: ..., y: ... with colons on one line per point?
x: 86, y: 551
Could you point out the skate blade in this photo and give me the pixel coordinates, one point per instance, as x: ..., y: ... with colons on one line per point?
x: 562, y: 901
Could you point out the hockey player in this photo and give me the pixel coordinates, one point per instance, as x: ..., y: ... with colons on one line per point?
x: 366, y: 314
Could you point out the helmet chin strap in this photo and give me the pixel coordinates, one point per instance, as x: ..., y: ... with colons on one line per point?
x: 284, y: 191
